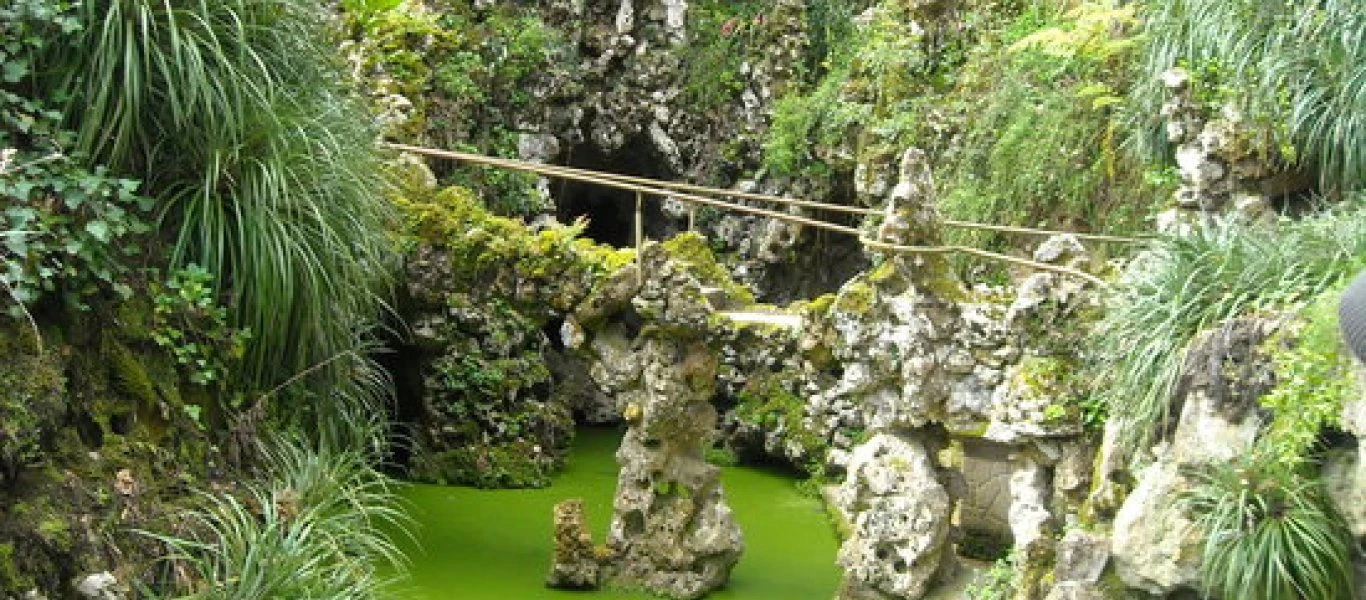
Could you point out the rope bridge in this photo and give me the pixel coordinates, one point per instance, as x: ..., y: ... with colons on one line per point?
x: 697, y: 195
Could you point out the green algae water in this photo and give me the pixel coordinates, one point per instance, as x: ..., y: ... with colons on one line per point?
x: 475, y: 544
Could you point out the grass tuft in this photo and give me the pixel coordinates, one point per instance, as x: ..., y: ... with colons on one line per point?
x: 1183, y: 285
x: 1270, y: 532
x: 311, y: 527
x: 235, y: 115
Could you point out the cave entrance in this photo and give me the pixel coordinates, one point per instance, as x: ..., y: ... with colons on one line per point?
x: 611, y: 212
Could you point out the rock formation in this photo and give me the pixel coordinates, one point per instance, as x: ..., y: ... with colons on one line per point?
x: 900, y: 519
x: 1156, y: 546
x: 1224, y: 170
x: 672, y: 532
x: 574, y: 564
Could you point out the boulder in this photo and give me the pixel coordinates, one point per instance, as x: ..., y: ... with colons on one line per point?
x: 1074, y: 590
x: 100, y: 586
x: 1344, y: 475
x: 1156, y: 547
x: 899, y: 512
x: 1081, y: 557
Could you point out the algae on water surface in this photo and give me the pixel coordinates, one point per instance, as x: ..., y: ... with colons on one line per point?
x: 496, y: 544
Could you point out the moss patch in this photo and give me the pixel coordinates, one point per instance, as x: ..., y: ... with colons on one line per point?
x: 128, y: 375
x: 767, y: 402
x: 693, y: 251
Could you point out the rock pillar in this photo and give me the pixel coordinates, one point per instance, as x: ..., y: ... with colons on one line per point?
x: 672, y: 532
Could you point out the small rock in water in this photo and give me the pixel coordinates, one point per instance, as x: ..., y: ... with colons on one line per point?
x: 575, y: 564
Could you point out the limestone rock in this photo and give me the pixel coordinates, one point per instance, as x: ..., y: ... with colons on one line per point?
x: 1224, y: 374
x: 1081, y: 557
x: 1156, y: 548
x: 1224, y: 171
x: 100, y: 586
x: 1030, y: 520
x: 575, y: 563
x: 900, y: 519
x: 1344, y: 471
x: 1344, y: 474
x: 1075, y: 590
x: 672, y: 532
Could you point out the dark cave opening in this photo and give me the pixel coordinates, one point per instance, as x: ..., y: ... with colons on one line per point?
x: 611, y: 212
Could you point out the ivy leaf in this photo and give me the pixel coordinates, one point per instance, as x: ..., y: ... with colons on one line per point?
x: 98, y: 229
x: 14, y: 71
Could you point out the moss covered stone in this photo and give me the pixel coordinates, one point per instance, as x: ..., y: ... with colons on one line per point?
x: 81, y: 468
x: 514, y: 465
x: 11, y: 578
x: 693, y: 251
x: 857, y: 297
x: 768, y: 404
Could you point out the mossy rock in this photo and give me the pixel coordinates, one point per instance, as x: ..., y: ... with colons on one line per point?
x: 767, y: 402
x: 693, y: 251
x: 539, y: 271
x: 32, y: 407
x: 11, y: 578
x: 515, y: 465
x: 856, y: 297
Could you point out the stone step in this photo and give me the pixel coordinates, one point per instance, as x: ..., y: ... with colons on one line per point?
x: 785, y: 320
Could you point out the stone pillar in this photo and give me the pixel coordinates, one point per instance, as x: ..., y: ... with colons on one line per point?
x: 575, y: 562
x: 672, y: 532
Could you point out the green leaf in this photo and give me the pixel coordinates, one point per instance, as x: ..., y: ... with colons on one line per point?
x: 14, y: 71
x: 98, y: 229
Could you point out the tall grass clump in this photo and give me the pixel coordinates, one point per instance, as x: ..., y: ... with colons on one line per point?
x: 316, y: 524
x: 1296, y: 67
x: 236, y: 116
x: 1271, y: 532
x: 1182, y: 285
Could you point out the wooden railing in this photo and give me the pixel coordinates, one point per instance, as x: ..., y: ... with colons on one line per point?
x: 697, y: 195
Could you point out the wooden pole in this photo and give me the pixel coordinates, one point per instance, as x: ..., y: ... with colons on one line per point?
x: 640, y: 235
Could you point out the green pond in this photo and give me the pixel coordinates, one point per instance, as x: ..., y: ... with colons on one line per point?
x: 475, y: 544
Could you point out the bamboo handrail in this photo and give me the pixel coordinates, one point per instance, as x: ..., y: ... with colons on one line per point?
x: 669, y: 189
x: 655, y: 183
x: 595, y: 178
x: 949, y: 249
x: 687, y: 187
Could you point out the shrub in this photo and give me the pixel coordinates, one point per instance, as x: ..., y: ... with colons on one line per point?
x: 68, y: 230
x: 997, y: 583
x: 1181, y: 286
x: 194, y: 327
x: 1039, y: 145
x: 1314, y: 379
x: 1270, y: 532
